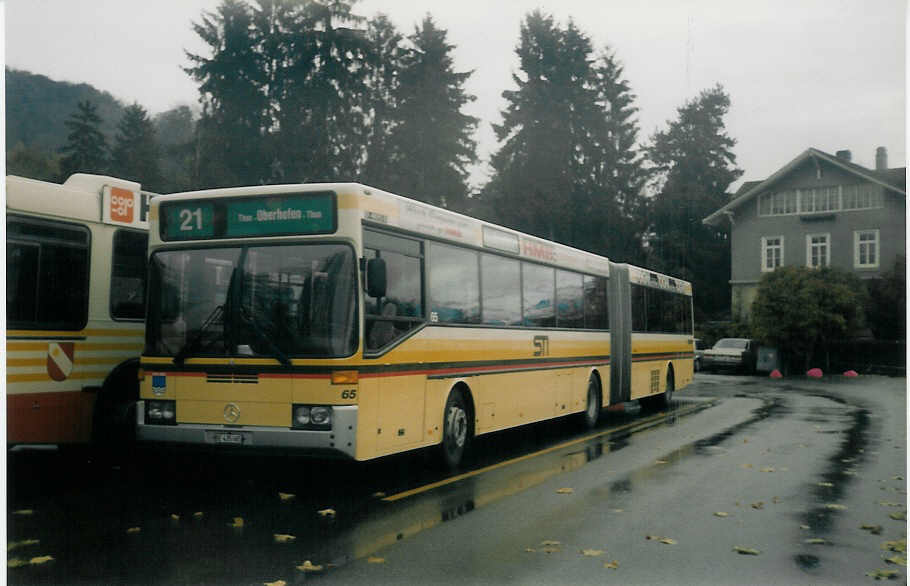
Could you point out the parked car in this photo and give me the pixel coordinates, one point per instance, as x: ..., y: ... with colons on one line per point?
x: 731, y: 353
x: 700, y: 348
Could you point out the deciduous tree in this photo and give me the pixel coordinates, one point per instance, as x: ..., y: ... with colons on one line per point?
x: 801, y: 311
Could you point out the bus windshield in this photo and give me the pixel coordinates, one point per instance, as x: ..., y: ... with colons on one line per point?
x: 264, y: 301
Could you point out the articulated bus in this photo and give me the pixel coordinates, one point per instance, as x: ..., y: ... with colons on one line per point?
x: 341, y: 319
x: 75, y: 305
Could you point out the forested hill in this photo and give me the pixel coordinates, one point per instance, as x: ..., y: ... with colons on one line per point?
x: 37, y: 106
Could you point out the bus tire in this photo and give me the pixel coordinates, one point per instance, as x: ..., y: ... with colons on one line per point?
x: 591, y: 414
x: 113, y: 418
x: 662, y: 401
x: 456, y: 429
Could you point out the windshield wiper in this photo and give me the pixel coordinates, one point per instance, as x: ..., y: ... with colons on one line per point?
x: 276, y: 351
x: 191, y: 346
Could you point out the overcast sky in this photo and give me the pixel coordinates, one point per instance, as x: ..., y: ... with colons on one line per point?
x: 828, y: 74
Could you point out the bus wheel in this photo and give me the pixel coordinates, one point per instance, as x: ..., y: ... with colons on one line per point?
x: 592, y: 408
x: 456, y: 432
x: 663, y: 401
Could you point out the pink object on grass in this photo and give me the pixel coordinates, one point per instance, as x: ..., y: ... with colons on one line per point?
x: 851, y: 373
x: 815, y: 373
x: 776, y: 374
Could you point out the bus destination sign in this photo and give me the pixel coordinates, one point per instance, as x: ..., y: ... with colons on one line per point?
x: 280, y: 215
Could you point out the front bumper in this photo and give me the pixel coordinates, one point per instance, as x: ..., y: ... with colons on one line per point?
x: 340, y: 439
x: 721, y: 361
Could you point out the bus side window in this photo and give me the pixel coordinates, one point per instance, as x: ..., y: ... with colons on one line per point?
x: 390, y: 318
x: 47, y: 274
x: 128, y: 275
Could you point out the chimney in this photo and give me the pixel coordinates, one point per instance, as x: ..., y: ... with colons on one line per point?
x: 844, y: 155
x: 881, y: 159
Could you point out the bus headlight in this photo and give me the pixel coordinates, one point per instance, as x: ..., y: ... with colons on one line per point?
x: 315, y: 417
x: 161, y: 412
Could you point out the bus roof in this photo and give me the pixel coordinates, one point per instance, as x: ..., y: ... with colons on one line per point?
x: 86, y: 197
x: 382, y: 208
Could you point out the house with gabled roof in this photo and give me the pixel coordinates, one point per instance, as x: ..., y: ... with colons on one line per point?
x: 817, y: 210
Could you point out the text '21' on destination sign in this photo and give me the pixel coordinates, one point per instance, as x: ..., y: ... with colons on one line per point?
x: 259, y: 216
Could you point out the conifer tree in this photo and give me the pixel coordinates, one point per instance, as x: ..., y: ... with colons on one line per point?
x: 695, y: 164
x: 230, y: 134
x: 86, y: 148
x: 136, y: 154
x: 380, y: 102
x: 568, y: 168
x: 432, y: 142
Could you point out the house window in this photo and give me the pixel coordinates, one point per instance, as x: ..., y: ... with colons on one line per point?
x: 819, y: 199
x: 862, y: 197
x: 865, y: 249
x: 772, y: 253
x: 777, y: 204
x: 818, y: 250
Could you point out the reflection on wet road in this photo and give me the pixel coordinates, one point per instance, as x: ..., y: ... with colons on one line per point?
x: 215, y: 518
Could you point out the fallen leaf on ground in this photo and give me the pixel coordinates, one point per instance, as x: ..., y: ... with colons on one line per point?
x: 308, y: 566
x: 826, y: 484
x: 873, y: 529
x: 759, y: 505
x: 565, y: 491
x: 767, y: 469
x: 134, y: 530
x: 198, y: 515
x: 897, y: 477
x: 884, y: 574
x: 745, y: 465
x: 612, y: 565
x: 330, y: 513
x: 23, y: 543
x: 835, y: 507
x: 617, y: 510
x: 550, y: 549
x: 16, y: 563
x: 897, y: 560
x: 899, y: 516
x: 592, y: 552
x: 530, y: 550
x: 175, y: 517
x: 890, y: 504
x: 286, y: 496
x: 375, y: 560
x: 721, y: 514
x: 276, y: 583
x: 40, y: 560
x: 238, y: 523
x: 549, y: 543
x: 378, y: 495
x: 661, y: 462
x: 899, y: 546
x: 24, y: 512
x: 283, y: 538
x: 816, y: 541
x: 667, y: 540
x: 745, y: 550
x: 804, y: 527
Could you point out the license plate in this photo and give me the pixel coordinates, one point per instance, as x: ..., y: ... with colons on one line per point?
x: 229, y: 438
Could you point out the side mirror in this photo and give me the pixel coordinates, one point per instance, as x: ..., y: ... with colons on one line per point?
x: 376, y: 277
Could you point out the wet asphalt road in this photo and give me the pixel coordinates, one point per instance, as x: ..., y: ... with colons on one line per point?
x: 797, y: 467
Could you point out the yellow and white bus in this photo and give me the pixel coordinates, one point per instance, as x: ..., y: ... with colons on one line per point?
x: 342, y: 319
x: 75, y: 304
